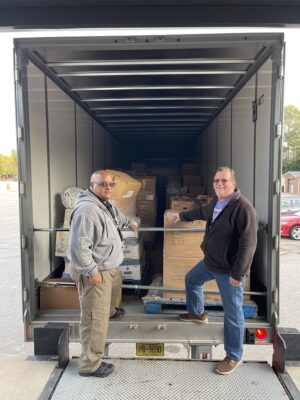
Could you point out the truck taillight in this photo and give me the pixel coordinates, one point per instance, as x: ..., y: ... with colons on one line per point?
x: 258, y: 335
x: 261, y: 334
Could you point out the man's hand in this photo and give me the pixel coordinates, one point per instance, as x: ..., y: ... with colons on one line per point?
x: 96, y: 279
x: 133, y: 227
x: 235, y: 282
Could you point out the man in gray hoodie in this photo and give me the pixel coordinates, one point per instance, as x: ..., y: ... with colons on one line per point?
x: 96, y: 251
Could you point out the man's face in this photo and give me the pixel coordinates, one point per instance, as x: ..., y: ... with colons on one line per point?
x: 103, y: 186
x: 223, y: 184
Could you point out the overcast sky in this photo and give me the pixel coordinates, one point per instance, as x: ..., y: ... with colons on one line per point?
x: 7, y: 103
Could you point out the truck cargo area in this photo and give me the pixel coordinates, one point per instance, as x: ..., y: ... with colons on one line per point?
x: 158, y: 101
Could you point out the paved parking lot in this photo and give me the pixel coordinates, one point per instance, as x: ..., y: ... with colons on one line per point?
x: 11, y: 327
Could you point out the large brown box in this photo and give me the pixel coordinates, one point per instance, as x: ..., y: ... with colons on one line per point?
x: 58, y: 296
x: 190, y: 169
x: 194, y: 191
x: 126, y: 185
x: 174, y: 271
x: 182, y: 244
x: 181, y: 203
x: 148, y: 183
x: 191, y: 180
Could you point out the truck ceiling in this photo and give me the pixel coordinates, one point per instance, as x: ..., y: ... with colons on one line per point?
x: 48, y: 14
x: 142, y: 87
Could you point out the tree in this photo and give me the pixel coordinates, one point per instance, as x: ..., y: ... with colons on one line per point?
x: 291, y: 139
x: 9, y: 165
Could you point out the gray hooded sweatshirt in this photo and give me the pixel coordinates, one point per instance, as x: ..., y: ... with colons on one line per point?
x: 95, y: 243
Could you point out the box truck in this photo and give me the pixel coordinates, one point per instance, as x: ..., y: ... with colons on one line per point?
x: 87, y: 103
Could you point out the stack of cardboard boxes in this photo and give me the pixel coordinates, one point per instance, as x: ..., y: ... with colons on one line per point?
x: 134, y: 260
x: 192, y: 179
x: 146, y: 205
x: 181, y: 253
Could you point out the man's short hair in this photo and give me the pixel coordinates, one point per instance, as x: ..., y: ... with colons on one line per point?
x: 232, y: 173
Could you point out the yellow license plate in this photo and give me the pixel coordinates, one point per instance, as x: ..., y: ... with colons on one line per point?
x: 150, y: 349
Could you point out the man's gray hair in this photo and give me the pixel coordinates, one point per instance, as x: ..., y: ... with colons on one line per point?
x: 232, y: 173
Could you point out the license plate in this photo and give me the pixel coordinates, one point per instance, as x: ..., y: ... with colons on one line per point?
x: 150, y: 349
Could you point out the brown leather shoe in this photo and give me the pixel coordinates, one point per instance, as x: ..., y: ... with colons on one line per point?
x: 194, y: 318
x: 227, y: 366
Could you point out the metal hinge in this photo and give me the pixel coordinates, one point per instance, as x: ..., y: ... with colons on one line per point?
x: 23, y: 242
x: 21, y: 188
x: 20, y: 133
x: 18, y: 76
x: 277, y: 185
x: 278, y: 130
x: 275, y: 295
x: 25, y: 295
x: 276, y: 242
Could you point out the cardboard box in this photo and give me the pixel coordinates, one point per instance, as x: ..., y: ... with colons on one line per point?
x: 146, y: 196
x: 169, y: 222
x: 62, y: 297
x: 132, y: 269
x: 174, y: 178
x: 133, y: 248
x: 194, y: 191
x: 62, y: 243
x: 181, y: 203
x: 203, y: 199
x: 148, y: 183
x: 174, y: 272
x: 190, y: 169
x: 191, y: 180
x: 126, y: 185
x: 182, y: 244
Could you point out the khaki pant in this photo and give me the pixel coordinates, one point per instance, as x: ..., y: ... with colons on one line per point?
x: 97, y: 304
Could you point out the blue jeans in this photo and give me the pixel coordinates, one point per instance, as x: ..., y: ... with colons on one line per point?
x: 232, y: 298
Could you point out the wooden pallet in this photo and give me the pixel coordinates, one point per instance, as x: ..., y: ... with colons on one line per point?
x: 155, y: 304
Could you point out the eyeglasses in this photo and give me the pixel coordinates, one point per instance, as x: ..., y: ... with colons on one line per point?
x: 105, y: 184
x: 223, y: 181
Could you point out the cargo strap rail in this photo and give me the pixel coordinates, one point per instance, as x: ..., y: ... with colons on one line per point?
x: 141, y: 229
x: 147, y: 287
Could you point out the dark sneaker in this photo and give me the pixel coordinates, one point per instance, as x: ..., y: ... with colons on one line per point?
x: 104, y: 370
x: 119, y: 313
x: 227, y: 366
x: 194, y: 318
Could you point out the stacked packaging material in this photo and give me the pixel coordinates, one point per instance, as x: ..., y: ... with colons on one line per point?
x: 125, y: 193
x: 134, y: 260
x: 146, y: 205
x: 192, y: 179
x: 62, y: 237
x: 181, y: 253
x: 124, y: 197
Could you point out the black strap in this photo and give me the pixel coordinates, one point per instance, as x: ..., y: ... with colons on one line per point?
x: 111, y: 211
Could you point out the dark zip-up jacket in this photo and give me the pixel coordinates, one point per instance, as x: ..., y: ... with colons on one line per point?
x: 230, y: 241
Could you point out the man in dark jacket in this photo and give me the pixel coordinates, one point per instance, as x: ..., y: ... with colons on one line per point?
x: 229, y: 245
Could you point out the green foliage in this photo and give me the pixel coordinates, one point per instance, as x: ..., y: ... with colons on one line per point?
x: 9, y: 165
x: 291, y: 139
